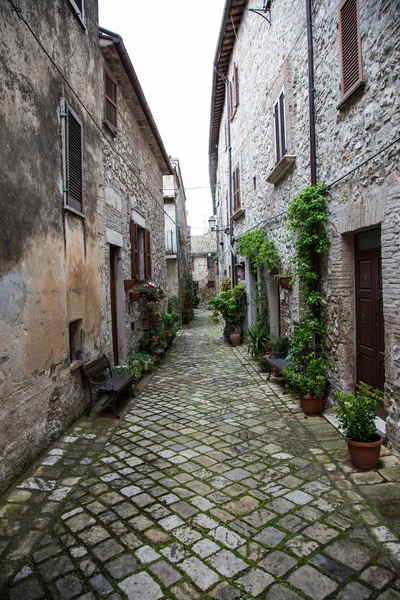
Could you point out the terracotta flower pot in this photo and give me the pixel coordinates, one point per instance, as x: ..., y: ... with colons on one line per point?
x: 145, y: 324
x: 365, y: 455
x: 128, y: 284
x: 235, y: 338
x: 155, y: 339
x: 150, y: 306
x: 133, y: 296
x: 155, y: 319
x: 311, y: 405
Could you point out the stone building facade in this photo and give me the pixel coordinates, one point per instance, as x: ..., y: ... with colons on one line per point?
x: 177, y: 255
x: 260, y: 133
x: 204, y: 264
x: 131, y: 215
x: 50, y: 304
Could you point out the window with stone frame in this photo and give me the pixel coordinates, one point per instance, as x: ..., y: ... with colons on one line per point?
x: 210, y: 263
x: 236, y: 189
x: 280, y: 128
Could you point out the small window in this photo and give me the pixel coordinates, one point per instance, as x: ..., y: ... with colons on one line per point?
x: 79, y: 9
x: 211, y: 284
x: 350, y: 46
x: 72, y: 148
x: 110, y: 102
x: 255, y: 183
x: 236, y: 189
x: 140, y: 252
x: 75, y: 340
x: 210, y: 263
x: 280, y: 128
x: 233, y: 97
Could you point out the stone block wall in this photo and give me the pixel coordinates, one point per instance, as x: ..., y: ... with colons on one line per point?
x: 132, y: 184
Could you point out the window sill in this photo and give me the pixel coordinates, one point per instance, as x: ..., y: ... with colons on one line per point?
x: 74, y: 211
x: 359, y: 86
x: 75, y: 365
x: 281, y: 168
x: 110, y: 128
x: 238, y: 214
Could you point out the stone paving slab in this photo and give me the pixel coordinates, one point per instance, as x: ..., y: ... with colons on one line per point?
x: 213, y: 485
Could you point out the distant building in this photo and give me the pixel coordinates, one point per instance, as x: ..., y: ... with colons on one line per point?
x: 204, y: 264
x: 177, y: 235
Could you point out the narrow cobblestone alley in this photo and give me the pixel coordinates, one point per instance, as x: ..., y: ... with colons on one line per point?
x: 212, y: 486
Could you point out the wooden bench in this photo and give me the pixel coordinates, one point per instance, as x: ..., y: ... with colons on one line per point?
x: 102, y: 382
x: 277, y: 365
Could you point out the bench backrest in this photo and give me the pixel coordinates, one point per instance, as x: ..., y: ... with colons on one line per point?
x: 96, y: 368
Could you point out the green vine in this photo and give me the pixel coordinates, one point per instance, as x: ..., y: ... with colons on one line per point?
x: 259, y: 250
x: 306, y: 220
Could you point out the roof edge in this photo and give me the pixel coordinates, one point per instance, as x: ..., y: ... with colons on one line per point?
x: 133, y: 78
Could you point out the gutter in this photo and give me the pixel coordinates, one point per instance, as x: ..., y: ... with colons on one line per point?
x: 311, y: 93
x: 133, y: 78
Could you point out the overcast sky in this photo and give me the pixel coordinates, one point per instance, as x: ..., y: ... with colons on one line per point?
x: 172, y: 46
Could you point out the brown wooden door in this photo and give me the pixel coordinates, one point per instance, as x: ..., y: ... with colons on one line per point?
x: 113, y: 299
x: 370, y: 325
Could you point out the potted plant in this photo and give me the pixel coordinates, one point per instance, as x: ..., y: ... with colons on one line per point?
x: 145, y: 323
x: 128, y: 284
x: 155, y: 339
x: 356, y: 414
x: 134, y: 296
x: 150, y: 306
x: 308, y: 382
x: 231, y: 305
x: 156, y: 317
x: 234, y: 337
x: 258, y: 339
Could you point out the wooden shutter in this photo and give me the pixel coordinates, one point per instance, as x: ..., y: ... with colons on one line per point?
x: 134, y: 251
x: 235, y: 85
x: 280, y: 128
x: 236, y: 189
x: 350, y: 46
x: 147, y: 255
x: 74, y: 160
x: 110, y: 102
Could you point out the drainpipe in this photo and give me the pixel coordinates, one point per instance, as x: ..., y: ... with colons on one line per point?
x: 233, y: 256
x: 311, y: 92
x: 178, y: 254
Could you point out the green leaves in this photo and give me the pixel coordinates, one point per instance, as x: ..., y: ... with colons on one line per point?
x: 356, y: 412
x: 230, y: 304
x: 259, y: 250
x: 258, y: 337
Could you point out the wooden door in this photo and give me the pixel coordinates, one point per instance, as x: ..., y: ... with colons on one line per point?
x: 113, y: 300
x: 370, y: 325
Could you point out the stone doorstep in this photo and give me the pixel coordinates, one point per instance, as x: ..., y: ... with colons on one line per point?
x: 333, y: 420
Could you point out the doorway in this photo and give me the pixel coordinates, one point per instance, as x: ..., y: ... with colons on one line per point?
x: 370, y: 342
x: 114, y: 255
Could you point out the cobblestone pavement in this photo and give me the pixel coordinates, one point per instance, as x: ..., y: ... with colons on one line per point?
x: 214, y: 485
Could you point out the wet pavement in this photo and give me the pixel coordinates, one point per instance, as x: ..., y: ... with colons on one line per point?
x: 213, y: 485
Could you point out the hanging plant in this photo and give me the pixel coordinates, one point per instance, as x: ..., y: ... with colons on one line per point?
x: 259, y: 250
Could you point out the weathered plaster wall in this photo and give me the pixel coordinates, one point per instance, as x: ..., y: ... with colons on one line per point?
x: 48, y: 256
x: 132, y: 182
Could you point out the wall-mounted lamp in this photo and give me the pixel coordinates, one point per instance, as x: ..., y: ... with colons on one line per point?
x: 260, y: 11
x: 212, y: 222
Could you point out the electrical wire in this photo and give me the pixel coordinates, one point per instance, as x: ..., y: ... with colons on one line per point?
x: 18, y: 11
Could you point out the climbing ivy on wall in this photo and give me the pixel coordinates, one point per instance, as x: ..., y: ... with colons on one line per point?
x: 306, y: 217
x: 259, y: 250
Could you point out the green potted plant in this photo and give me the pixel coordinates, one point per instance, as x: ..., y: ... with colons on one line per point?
x: 308, y: 382
x: 258, y: 339
x: 356, y: 414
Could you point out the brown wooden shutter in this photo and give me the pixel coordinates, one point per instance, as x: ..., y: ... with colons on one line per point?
x: 74, y: 161
x: 147, y: 255
x: 282, y: 124
x: 110, y: 102
x: 230, y: 101
x: 236, y: 86
x: 134, y: 251
x: 236, y: 189
x: 350, y: 46
x: 277, y: 132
